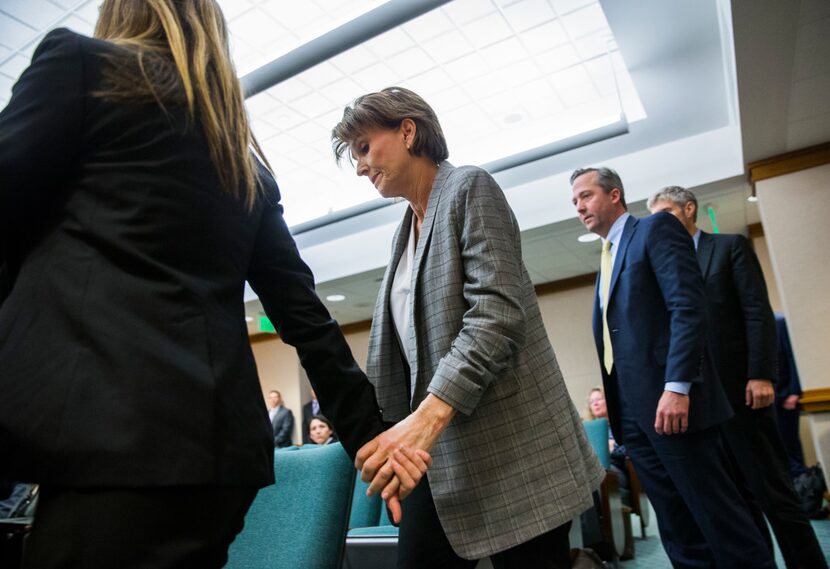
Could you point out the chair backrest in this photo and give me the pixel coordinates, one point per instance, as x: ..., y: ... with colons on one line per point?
x: 300, y: 521
x: 365, y: 509
x: 597, y: 431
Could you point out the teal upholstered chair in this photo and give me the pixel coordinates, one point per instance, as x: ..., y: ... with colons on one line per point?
x: 301, y: 520
x: 614, y: 519
x: 597, y: 431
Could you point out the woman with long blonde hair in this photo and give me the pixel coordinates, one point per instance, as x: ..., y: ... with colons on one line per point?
x: 132, y: 211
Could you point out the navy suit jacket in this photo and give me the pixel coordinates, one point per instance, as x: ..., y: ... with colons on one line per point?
x: 657, y: 319
x: 742, y: 324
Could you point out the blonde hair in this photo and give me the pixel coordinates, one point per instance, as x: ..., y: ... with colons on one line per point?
x: 181, y: 51
x: 589, y: 413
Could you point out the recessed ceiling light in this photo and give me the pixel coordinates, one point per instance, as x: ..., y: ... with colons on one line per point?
x: 336, y: 298
x: 752, y: 199
x: 249, y: 319
x: 587, y: 237
x: 513, y: 118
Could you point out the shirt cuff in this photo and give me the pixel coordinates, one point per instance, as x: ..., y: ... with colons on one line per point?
x: 681, y: 387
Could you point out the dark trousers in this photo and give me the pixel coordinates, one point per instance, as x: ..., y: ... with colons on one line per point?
x: 703, y: 520
x: 422, y: 542
x: 753, y: 440
x: 160, y: 528
x: 788, y: 426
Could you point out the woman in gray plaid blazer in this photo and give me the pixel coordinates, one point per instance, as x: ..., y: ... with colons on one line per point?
x: 460, y: 359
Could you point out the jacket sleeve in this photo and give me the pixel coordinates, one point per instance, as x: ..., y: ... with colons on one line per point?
x: 493, y: 327
x: 40, y: 136
x: 285, y: 287
x: 672, y: 257
x: 759, y: 319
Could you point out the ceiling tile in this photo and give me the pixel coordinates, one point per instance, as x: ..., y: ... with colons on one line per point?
x: 313, y: 104
x: 289, y: 90
x: 450, y: 99
x: 284, y: 117
x: 320, y: 75
x: 234, y: 8
x: 467, y: 67
x: 504, y: 53
x: 429, y: 25
x: 390, y: 43
x: 585, y: 21
x: 15, y: 34
x: 15, y: 65
x: 528, y: 14
x: 448, y: 47
x: 36, y: 15
x: 77, y: 24
x: 411, y: 62
x: 557, y: 59
x: 376, y: 77
x: 89, y: 11
x: 547, y: 36
x: 487, y: 30
x: 429, y: 82
x: 343, y: 92
x: 565, y: 6
x: 465, y: 11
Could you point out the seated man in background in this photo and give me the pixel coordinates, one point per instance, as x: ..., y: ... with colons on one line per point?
x: 742, y: 339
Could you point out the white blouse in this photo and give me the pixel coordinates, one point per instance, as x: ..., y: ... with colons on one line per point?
x: 400, y: 297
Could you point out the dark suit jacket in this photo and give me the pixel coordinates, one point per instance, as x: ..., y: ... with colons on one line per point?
x: 124, y: 354
x: 657, y: 318
x: 741, y: 321
x: 283, y: 425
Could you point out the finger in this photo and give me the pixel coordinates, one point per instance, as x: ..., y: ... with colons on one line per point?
x: 748, y: 397
x: 414, y: 458
x: 364, y: 453
x: 684, y: 422
x: 675, y: 424
x: 381, y: 479
x: 391, y: 489
x: 411, y: 461
x: 394, y: 506
x: 406, y: 481
x: 425, y: 456
x: 371, y: 467
x: 658, y: 423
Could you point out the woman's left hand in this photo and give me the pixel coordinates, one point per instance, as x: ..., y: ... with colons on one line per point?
x: 418, y: 431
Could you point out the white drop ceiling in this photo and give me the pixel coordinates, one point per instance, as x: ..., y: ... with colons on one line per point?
x: 503, y: 76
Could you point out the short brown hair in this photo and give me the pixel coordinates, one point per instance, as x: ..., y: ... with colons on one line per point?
x: 607, y: 179
x: 387, y: 109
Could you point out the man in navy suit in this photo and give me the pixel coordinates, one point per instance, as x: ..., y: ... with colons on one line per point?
x: 664, y: 400
x: 742, y: 340
x: 282, y: 420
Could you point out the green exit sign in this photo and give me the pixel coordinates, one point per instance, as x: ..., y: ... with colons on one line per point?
x: 266, y: 326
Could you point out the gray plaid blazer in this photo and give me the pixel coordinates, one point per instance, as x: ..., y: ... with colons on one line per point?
x: 514, y: 462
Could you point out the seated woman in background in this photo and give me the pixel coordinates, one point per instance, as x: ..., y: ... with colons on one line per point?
x: 597, y: 409
x: 321, y: 431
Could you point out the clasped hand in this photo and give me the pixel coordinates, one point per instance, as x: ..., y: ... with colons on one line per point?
x: 396, y: 460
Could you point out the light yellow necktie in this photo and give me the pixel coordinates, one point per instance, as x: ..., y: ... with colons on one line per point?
x: 605, y: 286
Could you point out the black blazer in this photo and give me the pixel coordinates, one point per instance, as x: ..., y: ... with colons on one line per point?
x: 742, y: 334
x: 657, y: 320
x: 124, y: 355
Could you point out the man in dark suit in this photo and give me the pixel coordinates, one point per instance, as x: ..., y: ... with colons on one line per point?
x: 742, y: 341
x: 282, y: 419
x: 664, y: 400
x: 310, y: 410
